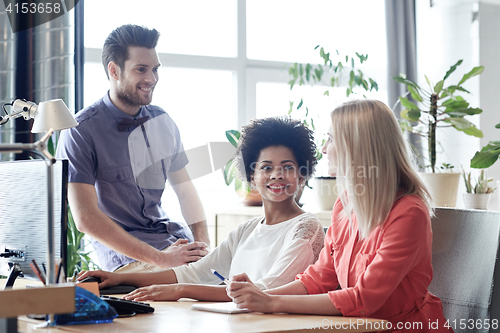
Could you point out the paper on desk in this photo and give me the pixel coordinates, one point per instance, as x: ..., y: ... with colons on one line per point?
x: 222, y: 307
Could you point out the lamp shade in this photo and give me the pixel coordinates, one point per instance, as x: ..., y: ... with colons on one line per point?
x: 53, y: 114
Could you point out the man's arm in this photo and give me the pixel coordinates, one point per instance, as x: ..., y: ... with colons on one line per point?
x: 191, y: 207
x: 92, y: 221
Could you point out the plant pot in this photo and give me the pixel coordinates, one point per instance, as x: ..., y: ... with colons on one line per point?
x: 325, y: 191
x: 252, y: 198
x: 476, y: 200
x: 443, y: 187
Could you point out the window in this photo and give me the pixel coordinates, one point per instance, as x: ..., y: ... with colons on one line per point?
x: 288, y: 30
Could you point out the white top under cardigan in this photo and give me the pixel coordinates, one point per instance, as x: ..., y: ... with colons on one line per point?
x: 271, y: 255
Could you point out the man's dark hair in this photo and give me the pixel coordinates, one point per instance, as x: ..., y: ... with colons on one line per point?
x: 116, y: 45
x: 276, y: 131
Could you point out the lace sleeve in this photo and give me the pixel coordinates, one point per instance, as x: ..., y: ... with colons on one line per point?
x: 309, y: 228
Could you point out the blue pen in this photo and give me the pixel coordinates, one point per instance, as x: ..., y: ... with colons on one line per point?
x: 224, y: 280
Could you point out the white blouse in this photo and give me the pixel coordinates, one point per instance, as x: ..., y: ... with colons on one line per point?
x: 271, y: 255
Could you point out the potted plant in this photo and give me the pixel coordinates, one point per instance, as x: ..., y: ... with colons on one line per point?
x: 477, y: 196
x: 337, y: 70
x: 439, y: 106
x: 78, y: 259
x: 250, y: 196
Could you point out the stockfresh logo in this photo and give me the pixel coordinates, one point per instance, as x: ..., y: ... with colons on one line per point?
x: 26, y: 14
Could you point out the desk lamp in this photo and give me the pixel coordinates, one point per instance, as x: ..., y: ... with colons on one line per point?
x: 49, y: 116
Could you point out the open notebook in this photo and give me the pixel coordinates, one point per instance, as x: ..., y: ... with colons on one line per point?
x: 222, y: 307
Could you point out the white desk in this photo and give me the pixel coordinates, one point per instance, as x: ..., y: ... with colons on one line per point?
x: 228, y: 219
x: 179, y: 318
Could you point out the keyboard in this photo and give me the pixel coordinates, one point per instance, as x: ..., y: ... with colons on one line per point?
x: 126, y: 307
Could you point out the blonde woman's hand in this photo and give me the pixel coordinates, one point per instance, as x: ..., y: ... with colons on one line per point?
x: 246, y: 295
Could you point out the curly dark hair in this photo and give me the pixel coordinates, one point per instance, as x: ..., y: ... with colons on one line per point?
x: 276, y: 131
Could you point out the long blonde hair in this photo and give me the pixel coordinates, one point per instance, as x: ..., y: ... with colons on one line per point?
x: 373, y: 162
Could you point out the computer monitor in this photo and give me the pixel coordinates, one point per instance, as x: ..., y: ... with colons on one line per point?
x: 23, y: 214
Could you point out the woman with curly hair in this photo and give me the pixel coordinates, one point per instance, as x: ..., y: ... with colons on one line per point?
x: 377, y: 256
x: 275, y: 156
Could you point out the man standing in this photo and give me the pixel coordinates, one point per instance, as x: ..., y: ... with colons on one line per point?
x: 120, y: 156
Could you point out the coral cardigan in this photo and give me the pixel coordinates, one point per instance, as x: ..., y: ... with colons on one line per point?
x: 385, y: 275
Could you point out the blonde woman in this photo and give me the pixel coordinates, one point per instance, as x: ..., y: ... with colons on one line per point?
x: 377, y: 256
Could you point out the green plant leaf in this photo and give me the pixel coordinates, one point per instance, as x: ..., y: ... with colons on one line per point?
x: 352, y: 77
x: 474, y: 131
x: 300, y: 104
x: 444, y: 94
x: 465, y: 126
x: 452, y: 104
x: 325, y: 56
x: 291, y: 83
x: 50, y: 147
x: 326, y: 93
x: 492, y: 147
x: 428, y: 81
x: 308, y: 72
x: 362, y: 57
x: 233, y: 137
x: 291, y: 107
x: 404, y: 80
x: 373, y: 85
x: 407, y: 104
x: 483, y: 160
x: 333, y: 80
x: 461, y: 112
x: 452, y: 69
x: 229, y: 172
x: 293, y: 70
x: 475, y: 71
x: 319, y: 72
x: 452, y: 89
x: 414, y: 93
x: 497, y: 125
x: 439, y: 86
x: 459, y: 123
x: 405, y: 126
x: 411, y: 115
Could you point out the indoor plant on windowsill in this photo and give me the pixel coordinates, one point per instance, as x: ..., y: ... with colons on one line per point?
x: 250, y: 196
x: 477, y: 196
x: 335, y: 72
x: 438, y: 107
